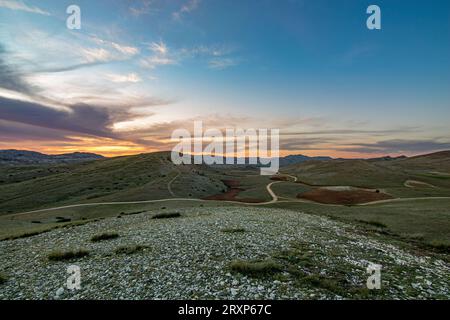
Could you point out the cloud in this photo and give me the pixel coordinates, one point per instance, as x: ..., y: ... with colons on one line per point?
x: 10, y: 78
x: 159, y: 48
x: 144, y: 8
x: 70, y: 67
x: 81, y: 118
x: 161, y: 56
x: 16, y: 132
x: 118, y: 78
x: 216, y: 50
x: 97, y: 55
x: 20, y: 6
x: 221, y: 63
x: 154, y: 61
x: 125, y: 50
x: 188, y: 7
x: 400, y: 146
x: 306, y: 143
x: 353, y: 132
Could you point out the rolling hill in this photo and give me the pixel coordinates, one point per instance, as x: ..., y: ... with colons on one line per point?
x: 129, y: 178
x: 17, y: 157
x: 153, y: 176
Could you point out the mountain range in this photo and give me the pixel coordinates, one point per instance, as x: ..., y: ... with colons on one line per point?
x: 17, y: 157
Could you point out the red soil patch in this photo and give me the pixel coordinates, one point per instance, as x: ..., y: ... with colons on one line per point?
x: 231, y: 193
x: 231, y: 183
x: 278, y: 178
x: 347, y: 197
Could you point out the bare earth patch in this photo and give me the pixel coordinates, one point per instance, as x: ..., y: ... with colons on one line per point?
x: 344, y: 197
x: 232, y: 193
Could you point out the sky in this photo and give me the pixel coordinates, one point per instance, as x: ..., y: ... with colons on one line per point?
x: 137, y: 70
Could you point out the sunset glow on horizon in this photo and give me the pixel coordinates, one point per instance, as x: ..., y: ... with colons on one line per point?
x: 137, y: 70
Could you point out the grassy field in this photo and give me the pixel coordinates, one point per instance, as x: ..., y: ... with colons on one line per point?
x: 420, y: 221
x: 153, y: 176
x: 17, y: 225
x: 133, y: 178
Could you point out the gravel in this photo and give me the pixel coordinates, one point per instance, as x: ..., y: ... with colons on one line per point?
x: 188, y: 258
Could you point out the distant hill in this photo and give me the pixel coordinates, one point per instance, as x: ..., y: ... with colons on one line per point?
x: 128, y: 178
x: 371, y: 173
x: 386, y: 158
x: 437, y: 161
x: 284, y: 161
x: 18, y: 157
x: 293, y: 159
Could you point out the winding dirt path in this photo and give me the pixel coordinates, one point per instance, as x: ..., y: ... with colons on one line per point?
x: 275, y: 199
x: 169, y: 184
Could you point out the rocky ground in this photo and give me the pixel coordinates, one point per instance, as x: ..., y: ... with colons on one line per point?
x: 286, y: 255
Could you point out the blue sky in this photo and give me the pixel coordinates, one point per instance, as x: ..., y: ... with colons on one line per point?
x: 139, y: 69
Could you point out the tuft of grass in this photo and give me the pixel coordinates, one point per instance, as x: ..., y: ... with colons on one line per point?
x: 67, y: 255
x: 255, y: 268
x: 131, y: 249
x: 131, y: 213
x: 26, y: 234
x: 233, y: 230
x: 3, y: 278
x: 104, y: 236
x: 440, y: 246
x: 167, y: 215
x: 301, y: 263
x: 62, y: 219
x: 373, y: 223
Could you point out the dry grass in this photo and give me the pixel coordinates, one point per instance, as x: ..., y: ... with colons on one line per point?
x: 67, y: 255
x: 255, y: 268
x: 131, y: 249
x: 3, y: 278
x: 104, y: 236
x: 167, y: 215
x: 233, y: 230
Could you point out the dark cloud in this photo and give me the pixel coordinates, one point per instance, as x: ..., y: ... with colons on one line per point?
x: 400, y: 146
x: 10, y: 77
x: 17, y: 132
x: 351, y: 131
x: 303, y: 143
x: 81, y: 118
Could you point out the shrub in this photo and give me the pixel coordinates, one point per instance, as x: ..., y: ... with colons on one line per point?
x: 440, y: 246
x: 3, y: 278
x: 67, y: 255
x: 373, y: 223
x: 167, y: 215
x: 130, y: 249
x: 255, y: 268
x: 233, y: 230
x: 104, y: 236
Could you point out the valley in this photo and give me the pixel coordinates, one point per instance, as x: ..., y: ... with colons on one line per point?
x: 402, y: 204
